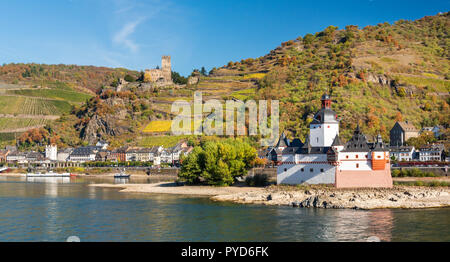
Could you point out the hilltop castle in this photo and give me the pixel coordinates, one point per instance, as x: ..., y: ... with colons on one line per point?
x: 324, y: 159
x: 162, y: 76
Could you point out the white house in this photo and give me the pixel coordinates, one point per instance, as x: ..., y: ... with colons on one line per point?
x: 402, y: 153
x: 51, y: 152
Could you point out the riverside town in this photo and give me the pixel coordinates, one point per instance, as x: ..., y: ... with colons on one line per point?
x: 212, y: 130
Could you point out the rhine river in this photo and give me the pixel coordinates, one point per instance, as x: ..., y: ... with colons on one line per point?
x: 54, y: 209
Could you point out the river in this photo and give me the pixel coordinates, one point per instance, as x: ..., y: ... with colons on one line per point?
x: 54, y: 209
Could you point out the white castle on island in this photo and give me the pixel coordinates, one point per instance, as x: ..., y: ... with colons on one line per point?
x: 324, y: 159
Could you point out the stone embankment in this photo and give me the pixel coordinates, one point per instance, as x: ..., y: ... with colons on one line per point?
x: 328, y: 197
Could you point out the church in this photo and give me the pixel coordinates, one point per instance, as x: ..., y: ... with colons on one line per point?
x: 324, y: 159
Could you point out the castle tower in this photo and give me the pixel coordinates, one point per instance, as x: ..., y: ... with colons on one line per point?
x: 51, y: 152
x: 166, y: 68
x: 325, y: 125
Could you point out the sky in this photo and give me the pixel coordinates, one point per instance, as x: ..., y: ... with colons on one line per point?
x: 134, y: 34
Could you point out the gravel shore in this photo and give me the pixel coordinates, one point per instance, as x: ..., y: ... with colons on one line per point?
x: 329, y: 197
x: 306, y: 196
x: 172, y: 188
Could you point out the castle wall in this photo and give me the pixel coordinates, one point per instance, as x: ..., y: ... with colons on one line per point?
x: 323, y: 134
x: 363, y: 178
x: 310, y: 169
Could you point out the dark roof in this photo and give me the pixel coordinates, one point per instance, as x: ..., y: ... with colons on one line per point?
x: 325, y: 115
x: 358, y: 142
x: 432, y: 147
x: 283, y: 141
x: 325, y: 97
x: 379, y: 145
x: 296, y: 143
x: 87, y: 150
x: 401, y: 148
x: 337, y: 141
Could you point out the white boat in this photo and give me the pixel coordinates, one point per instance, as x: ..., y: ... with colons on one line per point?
x: 122, y: 175
x: 48, y: 174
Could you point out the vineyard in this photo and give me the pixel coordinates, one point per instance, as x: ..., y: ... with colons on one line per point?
x: 32, y: 106
x: 14, y: 123
x: 59, y: 94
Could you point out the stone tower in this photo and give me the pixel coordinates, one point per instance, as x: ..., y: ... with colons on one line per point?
x: 166, y: 68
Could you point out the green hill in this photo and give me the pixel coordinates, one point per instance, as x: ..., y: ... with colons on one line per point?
x: 376, y: 75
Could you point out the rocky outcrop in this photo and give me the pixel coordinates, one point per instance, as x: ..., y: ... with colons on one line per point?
x: 328, y: 197
x: 100, y: 127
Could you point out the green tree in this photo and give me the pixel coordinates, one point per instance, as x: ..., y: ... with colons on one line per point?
x: 218, y: 163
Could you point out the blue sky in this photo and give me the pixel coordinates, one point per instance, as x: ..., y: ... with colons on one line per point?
x: 135, y: 33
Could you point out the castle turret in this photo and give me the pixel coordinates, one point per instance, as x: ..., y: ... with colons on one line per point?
x: 325, y: 125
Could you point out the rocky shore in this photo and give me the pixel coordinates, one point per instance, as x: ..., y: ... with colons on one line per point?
x: 329, y: 197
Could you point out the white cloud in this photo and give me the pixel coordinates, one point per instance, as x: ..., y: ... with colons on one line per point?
x: 122, y: 37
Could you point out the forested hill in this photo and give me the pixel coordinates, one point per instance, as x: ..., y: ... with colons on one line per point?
x: 83, y: 78
x: 376, y: 75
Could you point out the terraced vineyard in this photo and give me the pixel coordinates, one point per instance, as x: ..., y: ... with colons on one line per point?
x: 14, y: 105
x: 7, y: 123
x: 58, y: 94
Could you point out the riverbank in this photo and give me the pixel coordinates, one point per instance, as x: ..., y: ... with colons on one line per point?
x: 329, y: 197
x: 172, y: 188
x: 306, y: 196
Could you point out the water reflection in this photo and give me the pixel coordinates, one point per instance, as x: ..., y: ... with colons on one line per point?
x: 52, y: 211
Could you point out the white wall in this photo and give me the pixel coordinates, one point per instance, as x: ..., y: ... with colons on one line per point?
x: 323, y: 134
x: 293, y: 173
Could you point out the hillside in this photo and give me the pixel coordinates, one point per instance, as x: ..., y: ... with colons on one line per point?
x: 33, y: 95
x: 376, y: 75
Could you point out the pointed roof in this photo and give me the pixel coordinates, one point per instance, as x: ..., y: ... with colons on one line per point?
x: 379, y: 144
x: 358, y: 142
x: 283, y: 141
x: 337, y: 141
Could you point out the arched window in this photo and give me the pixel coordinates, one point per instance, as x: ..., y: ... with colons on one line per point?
x: 357, y: 165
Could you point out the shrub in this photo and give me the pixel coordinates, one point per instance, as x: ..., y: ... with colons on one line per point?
x: 257, y: 180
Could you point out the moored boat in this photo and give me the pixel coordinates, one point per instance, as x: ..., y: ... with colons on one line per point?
x: 48, y: 174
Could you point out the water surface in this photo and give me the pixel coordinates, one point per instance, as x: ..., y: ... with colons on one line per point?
x: 54, y: 209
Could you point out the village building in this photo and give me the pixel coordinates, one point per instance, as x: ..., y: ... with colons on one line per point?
x: 32, y: 157
x: 436, y: 130
x: 401, y: 132
x: 102, y: 155
x: 63, y: 155
x: 432, y: 152
x: 16, y: 157
x: 324, y: 159
x: 402, y: 153
x: 51, y: 152
x: 102, y: 145
x: 83, y: 154
x: 3, y: 154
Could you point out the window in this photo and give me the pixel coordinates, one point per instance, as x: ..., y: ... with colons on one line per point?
x: 356, y: 156
x: 311, y: 170
x: 302, y: 169
x: 346, y: 156
x: 357, y: 165
x: 321, y: 170
x: 317, y: 140
x: 378, y: 156
x: 285, y: 169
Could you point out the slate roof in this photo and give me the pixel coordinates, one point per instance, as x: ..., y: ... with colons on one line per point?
x: 358, y: 142
x: 337, y: 141
x: 407, y: 126
x: 325, y: 115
